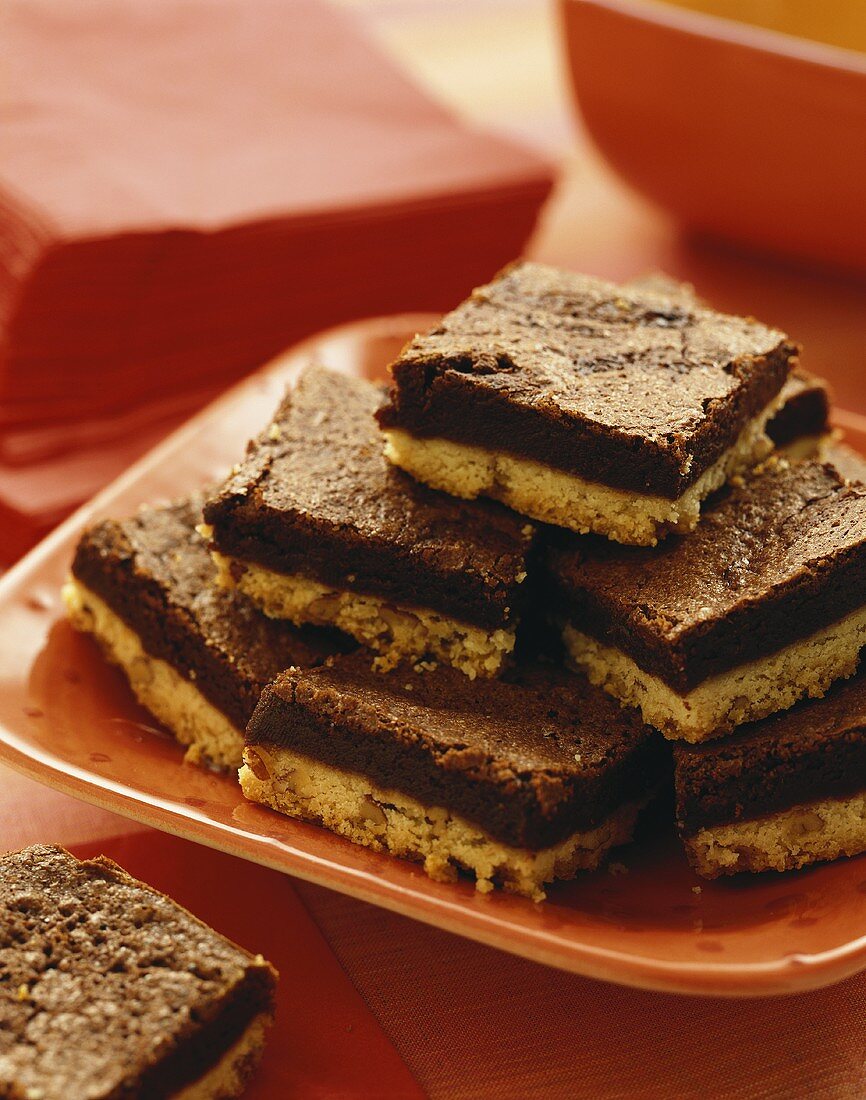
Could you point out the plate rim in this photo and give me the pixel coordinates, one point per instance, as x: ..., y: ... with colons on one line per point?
x: 794, y: 973
x: 788, y: 974
x: 731, y: 32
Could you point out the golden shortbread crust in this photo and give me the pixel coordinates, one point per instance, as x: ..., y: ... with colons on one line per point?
x: 387, y: 820
x: 567, y: 500
x: 807, y: 446
x: 783, y: 841
x: 395, y: 633
x: 744, y: 694
x: 208, y: 734
x: 231, y: 1074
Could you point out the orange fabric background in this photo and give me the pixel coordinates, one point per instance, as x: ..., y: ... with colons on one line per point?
x: 473, y: 1022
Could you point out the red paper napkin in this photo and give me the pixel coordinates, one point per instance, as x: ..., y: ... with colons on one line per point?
x: 187, y: 188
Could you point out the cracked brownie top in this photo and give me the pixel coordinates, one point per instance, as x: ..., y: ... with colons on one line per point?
x: 627, y: 386
x: 316, y: 496
x: 110, y: 988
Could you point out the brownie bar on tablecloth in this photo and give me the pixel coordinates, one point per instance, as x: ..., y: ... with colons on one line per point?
x: 111, y: 989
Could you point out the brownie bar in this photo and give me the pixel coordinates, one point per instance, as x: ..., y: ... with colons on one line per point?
x: 627, y: 388
x: 110, y: 989
x: 152, y: 575
x: 776, y: 563
x: 779, y: 793
x: 525, y: 765
x: 316, y: 526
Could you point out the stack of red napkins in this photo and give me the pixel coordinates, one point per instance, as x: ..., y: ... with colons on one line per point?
x: 187, y: 188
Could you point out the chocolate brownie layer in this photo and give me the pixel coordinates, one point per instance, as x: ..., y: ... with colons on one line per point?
x: 155, y: 573
x: 805, y: 410
x: 316, y: 498
x: 111, y: 989
x: 625, y: 387
x: 811, y: 753
x: 774, y: 560
x: 530, y: 760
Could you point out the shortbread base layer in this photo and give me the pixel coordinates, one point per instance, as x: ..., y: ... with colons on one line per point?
x: 206, y: 732
x: 784, y: 841
x: 751, y: 691
x: 231, y: 1074
x: 395, y: 633
x: 352, y: 806
x: 567, y: 500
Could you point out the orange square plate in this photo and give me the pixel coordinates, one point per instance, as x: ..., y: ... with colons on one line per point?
x: 68, y: 720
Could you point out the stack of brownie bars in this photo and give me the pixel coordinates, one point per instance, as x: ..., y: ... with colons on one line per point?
x: 463, y: 620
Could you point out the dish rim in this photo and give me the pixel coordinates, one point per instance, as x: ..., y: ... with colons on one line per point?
x: 733, y: 32
x: 786, y: 974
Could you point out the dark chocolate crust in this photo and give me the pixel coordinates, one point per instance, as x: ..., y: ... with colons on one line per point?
x: 155, y: 573
x: 805, y: 412
x: 110, y: 989
x: 316, y: 496
x: 624, y: 386
x: 815, y: 751
x: 772, y: 561
x: 530, y: 759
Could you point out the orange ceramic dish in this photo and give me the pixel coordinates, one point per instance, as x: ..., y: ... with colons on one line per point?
x: 68, y: 720
x: 740, y: 131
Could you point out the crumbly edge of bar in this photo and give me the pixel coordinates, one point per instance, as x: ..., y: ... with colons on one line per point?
x: 748, y: 692
x: 395, y: 633
x: 567, y: 500
x: 229, y: 1077
x: 354, y: 807
x: 209, y: 736
x: 784, y: 841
